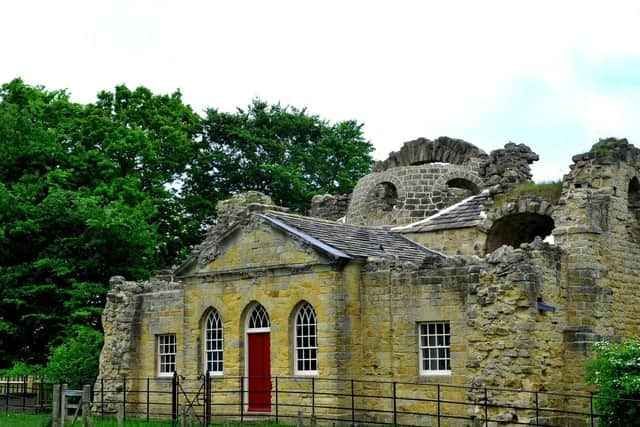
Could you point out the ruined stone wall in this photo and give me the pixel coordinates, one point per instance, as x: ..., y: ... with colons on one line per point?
x: 598, y: 231
x: 499, y: 337
x: 329, y: 206
x: 458, y: 241
x: 130, y: 306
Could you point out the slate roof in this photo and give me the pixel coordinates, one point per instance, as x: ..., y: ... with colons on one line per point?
x: 355, y: 242
x: 466, y: 213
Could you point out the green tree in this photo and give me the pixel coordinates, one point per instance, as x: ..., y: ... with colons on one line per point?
x: 84, y: 195
x: 122, y: 186
x: 281, y: 151
x: 616, y: 370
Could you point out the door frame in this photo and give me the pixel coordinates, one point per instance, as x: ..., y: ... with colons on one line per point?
x: 248, y: 331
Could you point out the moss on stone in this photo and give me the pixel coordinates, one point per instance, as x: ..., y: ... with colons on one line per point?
x: 607, y: 145
x: 547, y: 191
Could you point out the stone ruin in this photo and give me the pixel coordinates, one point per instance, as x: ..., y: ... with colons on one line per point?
x: 526, y: 282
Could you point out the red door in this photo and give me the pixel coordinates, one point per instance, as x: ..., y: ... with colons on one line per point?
x: 259, y: 372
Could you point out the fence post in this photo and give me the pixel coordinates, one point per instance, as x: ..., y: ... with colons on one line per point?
x: 313, y: 397
x: 148, y: 397
x: 277, y: 402
x: 55, y: 406
x: 41, y: 394
x: 63, y: 405
x: 395, y: 405
x: 85, y: 404
x: 207, y: 397
x: 593, y: 420
x: 438, y: 386
x: 241, y: 400
x: 6, y: 390
x: 353, y: 406
x: 124, y: 398
x: 537, y: 411
x: 24, y: 392
x: 101, y: 398
x: 486, y: 408
x: 174, y: 397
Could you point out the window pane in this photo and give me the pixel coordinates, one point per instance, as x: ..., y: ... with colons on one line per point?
x: 434, y: 342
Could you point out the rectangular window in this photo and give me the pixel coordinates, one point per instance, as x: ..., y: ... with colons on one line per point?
x: 166, y: 354
x: 435, y: 352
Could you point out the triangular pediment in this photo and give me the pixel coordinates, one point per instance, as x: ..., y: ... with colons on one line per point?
x: 258, y: 244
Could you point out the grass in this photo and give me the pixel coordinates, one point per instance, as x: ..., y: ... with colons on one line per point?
x: 42, y: 420
x: 606, y: 145
x: 548, y: 191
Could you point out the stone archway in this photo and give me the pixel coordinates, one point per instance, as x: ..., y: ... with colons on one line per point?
x: 517, y: 223
x: 422, y: 150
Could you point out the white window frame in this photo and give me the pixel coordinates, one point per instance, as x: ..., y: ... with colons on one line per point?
x: 305, y: 340
x: 213, y: 342
x: 434, y: 348
x: 167, y: 349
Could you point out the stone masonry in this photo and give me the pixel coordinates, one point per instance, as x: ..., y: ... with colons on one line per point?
x: 422, y: 243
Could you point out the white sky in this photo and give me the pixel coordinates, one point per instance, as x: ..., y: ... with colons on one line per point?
x: 556, y: 75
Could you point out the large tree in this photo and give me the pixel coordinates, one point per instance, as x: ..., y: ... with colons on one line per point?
x: 281, y: 151
x: 84, y: 194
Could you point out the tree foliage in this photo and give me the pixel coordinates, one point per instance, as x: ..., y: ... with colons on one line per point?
x: 75, y: 361
x: 121, y: 186
x: 83, y: 196
x: 280, y: 151
x: 616, y: 370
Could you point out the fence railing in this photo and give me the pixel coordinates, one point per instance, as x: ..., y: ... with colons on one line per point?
x: 25, y: 394
x: 209, y: 399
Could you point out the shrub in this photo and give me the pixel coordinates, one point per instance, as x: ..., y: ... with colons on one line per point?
x: 75, y: 361
x: 548, y: 191
x: 616, y: 370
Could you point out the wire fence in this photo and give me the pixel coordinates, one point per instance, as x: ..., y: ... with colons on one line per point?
x: 211, y: 400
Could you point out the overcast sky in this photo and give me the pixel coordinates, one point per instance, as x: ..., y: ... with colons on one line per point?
x: 555, y: 75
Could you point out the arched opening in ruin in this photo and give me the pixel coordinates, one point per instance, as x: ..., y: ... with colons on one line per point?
x: 633, y: 198
x: 461, y: 188
x: 383, y: 197
x: 518, y: 228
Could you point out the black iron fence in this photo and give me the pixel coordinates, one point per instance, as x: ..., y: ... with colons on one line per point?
x: 209, y: 399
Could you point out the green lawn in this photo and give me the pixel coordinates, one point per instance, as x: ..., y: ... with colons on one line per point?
x: 24, y: 420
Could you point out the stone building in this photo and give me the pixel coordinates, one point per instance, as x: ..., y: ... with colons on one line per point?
x: 429, y: 272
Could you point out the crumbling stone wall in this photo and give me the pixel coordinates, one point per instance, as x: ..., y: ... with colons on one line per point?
x: 329, y: 206
x: 427, y: 176
x: 597, y: 228
x: 122, y: 318
x: 508, y: 166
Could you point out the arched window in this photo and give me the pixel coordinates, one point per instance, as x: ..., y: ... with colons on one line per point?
x: 259, y: 319
x: 383, y: 197
x: 213, y: 343
x: 306, y: 340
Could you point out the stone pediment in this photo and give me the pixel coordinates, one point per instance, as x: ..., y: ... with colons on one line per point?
x: 257, y: 244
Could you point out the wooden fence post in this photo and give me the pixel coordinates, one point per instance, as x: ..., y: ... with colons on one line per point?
x: 55, y: 404
x: 63, y: 405
x: 86, y: 405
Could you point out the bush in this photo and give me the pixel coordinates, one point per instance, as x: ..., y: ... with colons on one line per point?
x: 75, y: 361
x: 616, y: 370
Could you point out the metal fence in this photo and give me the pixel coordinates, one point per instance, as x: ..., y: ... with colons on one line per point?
x: 25, y: 394
x: 209, y: 399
